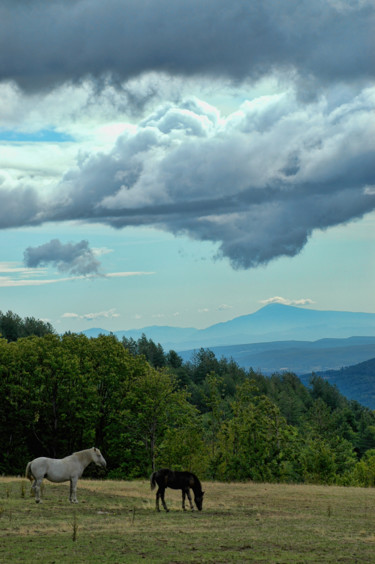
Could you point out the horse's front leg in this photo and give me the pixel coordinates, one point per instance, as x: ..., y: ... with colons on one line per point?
x: 73, y: 490
x: 183, y: 500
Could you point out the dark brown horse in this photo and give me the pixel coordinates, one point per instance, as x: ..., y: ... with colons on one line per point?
x: 166, y: 478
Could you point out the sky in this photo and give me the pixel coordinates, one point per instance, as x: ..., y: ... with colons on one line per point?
x: 183, y: 163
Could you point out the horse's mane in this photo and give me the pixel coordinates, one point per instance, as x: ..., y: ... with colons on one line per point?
x: 197, y: 481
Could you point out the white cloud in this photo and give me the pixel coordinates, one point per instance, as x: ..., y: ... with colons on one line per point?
x: 100, y: 251
x: 109, y: 314
x: 13, y: 275
x: 126, y: 274
x: 71, y: 316
x: 12, y: 283
x: 224, y: 307
x: 13, y: 268
x: 286, y: 301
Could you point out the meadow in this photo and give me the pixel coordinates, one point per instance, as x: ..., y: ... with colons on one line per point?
x: 116, y: 521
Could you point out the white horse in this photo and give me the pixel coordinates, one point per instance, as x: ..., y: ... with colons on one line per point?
x: 61, y: 470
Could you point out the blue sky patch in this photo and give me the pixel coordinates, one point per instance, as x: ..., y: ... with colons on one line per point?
x: 43, y: 135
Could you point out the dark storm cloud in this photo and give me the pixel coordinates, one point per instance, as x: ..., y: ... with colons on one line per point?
x: 18, y: 206
x: 258, y: 182
x: 46, y: 43
x: 75, y: 258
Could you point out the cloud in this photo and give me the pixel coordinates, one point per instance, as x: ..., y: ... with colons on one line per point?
x: 256, y: 179
x: 126, y: 274
x: 13, y: 275
x: 76, y: 258
x: 8, y: 282
x: 285, y: 301
x: 257, y: 182
x: 109, y: 314
x: 224, y: 307
x: 49, y: 43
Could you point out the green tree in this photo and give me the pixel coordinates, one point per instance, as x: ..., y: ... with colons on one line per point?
x: 318, y: 462
x: 10, y: 326
x: 13, y: 327
x: 364, y: 472
x: 16, y: 414
x: 182, y: 446
x: 151, y: 404
x: 216, y: 412
x: 256, y: 443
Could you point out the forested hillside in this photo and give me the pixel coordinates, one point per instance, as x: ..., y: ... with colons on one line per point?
x: 145, y: 408
x: 355, y: 382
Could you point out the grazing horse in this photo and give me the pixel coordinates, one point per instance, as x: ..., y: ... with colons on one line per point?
x: 166, y: 478
x: 61, y: 470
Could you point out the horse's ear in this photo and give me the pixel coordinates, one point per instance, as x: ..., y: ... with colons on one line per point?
x: 95, y: 449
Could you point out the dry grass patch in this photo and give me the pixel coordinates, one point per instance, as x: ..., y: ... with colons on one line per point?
x: 116, y: 521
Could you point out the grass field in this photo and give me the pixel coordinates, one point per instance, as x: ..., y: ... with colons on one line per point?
x: 246, y: 522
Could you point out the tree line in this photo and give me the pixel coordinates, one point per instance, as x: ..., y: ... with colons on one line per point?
x: 146, y: 408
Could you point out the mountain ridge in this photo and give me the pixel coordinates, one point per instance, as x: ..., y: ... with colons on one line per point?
x: 299, y: 357
x: 273, y: 322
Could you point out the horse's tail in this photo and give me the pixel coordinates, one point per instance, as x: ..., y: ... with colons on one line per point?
x: 153, y: 481
x: 29, y: 473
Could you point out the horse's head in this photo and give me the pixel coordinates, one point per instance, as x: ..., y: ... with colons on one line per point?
x: 98, y: 458
x: 198, y: 498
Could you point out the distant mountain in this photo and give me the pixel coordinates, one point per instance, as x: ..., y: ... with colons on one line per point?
x: 338, y: 345
x: 300, y: 357
x: 274, y: 322
x: 354, y: 382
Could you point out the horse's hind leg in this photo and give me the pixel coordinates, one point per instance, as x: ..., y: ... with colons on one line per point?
x: 160, y: 494
x: 36, y: 487
x: 157, y: 500
x: 184, y: 494
x: 163, y: 502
